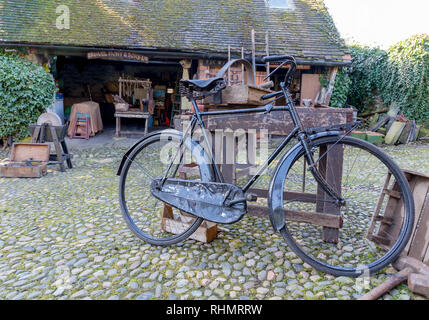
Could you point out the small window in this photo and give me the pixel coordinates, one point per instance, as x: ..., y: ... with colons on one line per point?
x: 281, y: 4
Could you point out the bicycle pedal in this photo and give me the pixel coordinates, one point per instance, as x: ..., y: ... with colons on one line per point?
x: 251, y: 197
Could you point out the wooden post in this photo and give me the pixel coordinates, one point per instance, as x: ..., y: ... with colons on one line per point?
x: 254, y: 56
x: 186, y: 65
x: 118, y: 127
x: 267, y: 52
x: 330, y: 167
x: 334, y: 173
x: 331, y: 86
x: 58, y: 150
x: 228, y: 166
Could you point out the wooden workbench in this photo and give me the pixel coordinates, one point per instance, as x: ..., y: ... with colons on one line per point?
x: 278, y: 124
x: 132, y: 114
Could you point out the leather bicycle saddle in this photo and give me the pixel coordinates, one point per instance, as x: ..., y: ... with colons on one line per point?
x: 204, y: 84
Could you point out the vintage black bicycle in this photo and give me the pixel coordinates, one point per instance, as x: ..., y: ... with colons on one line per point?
x: 151, y: 177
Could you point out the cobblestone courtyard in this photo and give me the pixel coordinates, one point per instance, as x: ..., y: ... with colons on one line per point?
x: 63, y: 237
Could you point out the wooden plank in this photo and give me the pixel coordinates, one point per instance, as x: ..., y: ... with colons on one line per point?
x: 426, y: 258
x: 420, y: 189
x: 280, y: 123
x: 240, y: 95
x: 30, y: 151
x: 251, y: 146
x: 394, y: 208
x: 310, y: 87
x: 380, y: 201
x: 410, y: 173
x: 17, y: 170
x: 229, y: 156
x: 320, y: 198
x: 58, y: 150
x: 379, y: 239
x: 334, y: 173
x: 132, y: 116
x: 392, y: 193
x: 133, y: 132
x: 118, y: 127
x: 47, y: 136
x: 287, y: 195
x: 331, y: 85
x: 315, y: 218
x: 420, y: 239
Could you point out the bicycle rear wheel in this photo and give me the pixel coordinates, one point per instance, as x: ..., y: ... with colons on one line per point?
x: 149, y: 218
x: 373, y: 231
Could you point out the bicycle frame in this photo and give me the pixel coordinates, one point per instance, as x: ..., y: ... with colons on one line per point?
x: 298, y: 132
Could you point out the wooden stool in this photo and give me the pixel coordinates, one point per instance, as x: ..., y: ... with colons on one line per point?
x: 83, y: 122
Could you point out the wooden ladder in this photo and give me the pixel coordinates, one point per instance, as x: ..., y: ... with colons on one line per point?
x: 257, y: 42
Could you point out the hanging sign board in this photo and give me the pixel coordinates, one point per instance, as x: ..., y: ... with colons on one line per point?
x: 122, y: 55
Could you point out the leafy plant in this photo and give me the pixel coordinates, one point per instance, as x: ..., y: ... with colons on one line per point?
x: 399, y: 75
x: 26, y: 90
x: 366, y: 74
x: 341, y: 89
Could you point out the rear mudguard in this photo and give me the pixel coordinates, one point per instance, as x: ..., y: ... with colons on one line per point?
x: 198, y: 153
x: 275, y: 192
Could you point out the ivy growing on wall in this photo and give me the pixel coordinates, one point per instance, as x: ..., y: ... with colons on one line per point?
x: 366, y: 74
x: 399, y: 76
x: 407, y: 77
x: 26, y: 90
x: 341, y: 89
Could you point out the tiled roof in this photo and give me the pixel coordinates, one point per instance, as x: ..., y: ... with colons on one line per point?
x: 187, y: 25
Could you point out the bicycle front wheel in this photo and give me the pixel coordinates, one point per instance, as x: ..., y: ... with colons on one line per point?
x: 149, y: 218
x: 365, y: 234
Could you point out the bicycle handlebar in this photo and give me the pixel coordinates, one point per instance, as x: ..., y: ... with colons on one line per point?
x: 284, y: 59
x: 271, y: 95
x: 278, y: 58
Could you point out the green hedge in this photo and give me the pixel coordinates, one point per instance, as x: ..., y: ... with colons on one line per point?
x: 26, y: 90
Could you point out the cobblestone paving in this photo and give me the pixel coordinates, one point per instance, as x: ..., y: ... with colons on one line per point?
x: 63, y: 237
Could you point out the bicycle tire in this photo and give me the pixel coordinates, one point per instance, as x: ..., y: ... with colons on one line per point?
x: 406, y: 228
x: 124, y: 208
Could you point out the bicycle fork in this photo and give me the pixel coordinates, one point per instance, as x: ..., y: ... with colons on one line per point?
x: 312, y: 167
x: 303, y: 138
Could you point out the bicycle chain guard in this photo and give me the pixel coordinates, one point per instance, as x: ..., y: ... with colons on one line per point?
x: 217, y: 202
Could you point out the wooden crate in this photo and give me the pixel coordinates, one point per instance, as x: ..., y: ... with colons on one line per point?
x: 21, y: 165
x: 418, y: 246
x: 206, y: 233
x: 239, y: 95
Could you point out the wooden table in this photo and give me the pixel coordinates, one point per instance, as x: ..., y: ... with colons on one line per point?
x: 133, y: 114
x: 280, y: 125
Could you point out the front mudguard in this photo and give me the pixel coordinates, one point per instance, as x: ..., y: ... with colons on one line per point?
x: 198, y: 153
x: 277, y: 183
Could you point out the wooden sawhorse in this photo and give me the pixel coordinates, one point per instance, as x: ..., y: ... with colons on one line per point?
x: 56, y: 134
